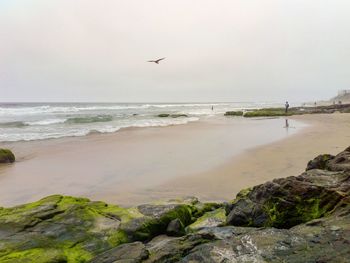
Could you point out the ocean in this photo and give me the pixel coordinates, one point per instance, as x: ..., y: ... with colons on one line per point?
x: 38, y: 121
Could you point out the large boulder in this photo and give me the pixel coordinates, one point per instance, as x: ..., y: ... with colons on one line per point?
x: 209, y: 219
x: 6, y: 156
x: 340, y: 162
x: 130, y: 252
x: 69, y: 229
x: 286, y: 202
x: 290, y: 201
x: 321, y: 240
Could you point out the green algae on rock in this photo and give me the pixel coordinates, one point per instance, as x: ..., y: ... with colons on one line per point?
x: 275, y: 112
x: 303, y: 218
x: 209, y: 219
x: 268, y: 112
x: 6, y: 156
x: 233, y: 113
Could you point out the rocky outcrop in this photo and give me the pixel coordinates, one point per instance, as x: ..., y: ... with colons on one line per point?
x: 68, y: 229
x: 275, y: 112
x: 6, y: 156
x: 340, y: 162
x: 303, y: 218
x: 290, y: 201
x: 233, y: 113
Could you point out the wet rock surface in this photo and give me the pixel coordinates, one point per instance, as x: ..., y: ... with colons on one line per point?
x: 6, y: 156
x: 303, y: 218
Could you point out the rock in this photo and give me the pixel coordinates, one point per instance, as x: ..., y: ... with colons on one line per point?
x: 209, y: 219
x: 165, y: 115
x: 132, y: 253
x: 175, y: 228
x: 73, y: 228
x: 171, y: 249
x: 341, y: 162
x: 319, y: 162
x: 6, y: 156
x: 286, y: 202
x: 178, y: 115
x: 272, y: 112
x: 233, y: 113
x: 156, y: 219
x: 304, y: 243
x: 269, y: 112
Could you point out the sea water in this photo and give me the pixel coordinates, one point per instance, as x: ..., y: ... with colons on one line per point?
x: 36, y: 121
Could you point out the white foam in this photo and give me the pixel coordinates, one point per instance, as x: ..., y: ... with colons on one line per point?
x: 46, y: 122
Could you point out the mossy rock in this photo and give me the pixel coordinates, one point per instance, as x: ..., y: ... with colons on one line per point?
x: 66, y: 228
x: 156, y: 219
x: 178, y: 115
x: 267, y: 112
x: 69, y: 229
x: 286, y: 202
x: 163, y: 115
x: 6, y: 156
x: 233, y: 113
x: 166, y: 115
x: 209, y: 219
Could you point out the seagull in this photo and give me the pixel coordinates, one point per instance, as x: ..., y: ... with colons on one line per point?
x: 156, y: 61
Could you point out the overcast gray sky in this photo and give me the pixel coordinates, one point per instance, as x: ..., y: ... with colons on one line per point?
x: 216, y: 50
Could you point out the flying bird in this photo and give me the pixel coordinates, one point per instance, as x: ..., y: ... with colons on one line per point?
x: 156, y: 61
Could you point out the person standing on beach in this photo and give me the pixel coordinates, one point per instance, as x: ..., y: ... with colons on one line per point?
x: 287, y: 106
x: 212, y: 107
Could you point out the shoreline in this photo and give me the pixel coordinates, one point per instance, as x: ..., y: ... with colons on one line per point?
x: 257, y: 165
x: 132, y: 160
x: 213, y: 182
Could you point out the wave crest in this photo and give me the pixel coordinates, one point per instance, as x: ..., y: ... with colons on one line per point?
x: 89, y: 119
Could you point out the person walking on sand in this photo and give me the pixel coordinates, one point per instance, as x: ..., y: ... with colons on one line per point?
x: 287, y: 106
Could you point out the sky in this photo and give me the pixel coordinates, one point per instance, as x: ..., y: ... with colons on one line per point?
x: 216, y: 50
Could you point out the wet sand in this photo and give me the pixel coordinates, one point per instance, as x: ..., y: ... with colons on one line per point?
x: 211, y: 159
x: 125, y: 167
x: 288, y: 157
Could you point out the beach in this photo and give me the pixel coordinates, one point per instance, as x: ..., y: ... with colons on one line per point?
x: 212, y: 159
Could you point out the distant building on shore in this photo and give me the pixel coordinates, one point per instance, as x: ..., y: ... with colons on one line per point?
x: 343, y: 92
x: 343, y: 96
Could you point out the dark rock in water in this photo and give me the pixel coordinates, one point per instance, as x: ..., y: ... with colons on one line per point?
x: 6, y: 156
x: 165, y: 115
x: 131, y: 253
x: 175, y: 228
x: 178, y: 115
x: 233, y: 113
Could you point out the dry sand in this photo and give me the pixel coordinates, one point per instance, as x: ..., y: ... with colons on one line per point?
x: 211, y: 159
